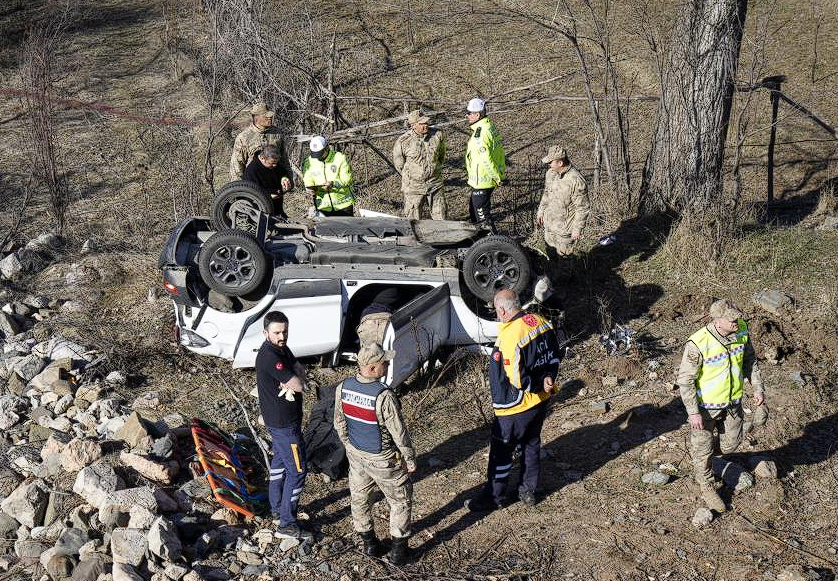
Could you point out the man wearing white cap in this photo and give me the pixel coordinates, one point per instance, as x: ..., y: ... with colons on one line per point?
x: 368, y: 420
x: 717, y: 360
x: 259, y: 134
x: 485, y: 162
x: 327, y: 176
x: 418, y: 155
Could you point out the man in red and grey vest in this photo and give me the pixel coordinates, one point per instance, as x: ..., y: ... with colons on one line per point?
x: 369, y: 422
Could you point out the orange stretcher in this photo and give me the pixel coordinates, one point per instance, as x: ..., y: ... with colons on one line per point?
x: 227, y: 467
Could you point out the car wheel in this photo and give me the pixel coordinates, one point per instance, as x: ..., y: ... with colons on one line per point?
x: 232, y: 263
x: 494, y: 263
x: 239, y: 195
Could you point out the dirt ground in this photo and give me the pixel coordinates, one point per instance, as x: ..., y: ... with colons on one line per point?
x: 595, y: 518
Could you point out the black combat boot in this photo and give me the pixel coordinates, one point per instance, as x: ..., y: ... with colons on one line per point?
x: 372, y: 546
x: 398, y: 552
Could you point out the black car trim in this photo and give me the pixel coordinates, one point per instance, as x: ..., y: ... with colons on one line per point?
x: 199, y: 316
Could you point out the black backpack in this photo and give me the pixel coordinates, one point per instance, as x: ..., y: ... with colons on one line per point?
x: 324, y: 450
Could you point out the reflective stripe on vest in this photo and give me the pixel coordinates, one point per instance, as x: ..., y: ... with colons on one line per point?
x: 357, y: 400
x: 720, y: 380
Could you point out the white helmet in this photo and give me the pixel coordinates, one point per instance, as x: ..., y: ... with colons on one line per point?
x: 476, y: 105
x: 318, y: 143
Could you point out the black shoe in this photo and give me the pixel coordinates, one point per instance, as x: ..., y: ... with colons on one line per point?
x: 294, y: 531
x: 481, y: 504
x: 398, y: 552
x: 372, y: 546
x: 526, y: 497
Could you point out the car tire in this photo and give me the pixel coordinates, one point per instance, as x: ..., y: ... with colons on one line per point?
x: 232, y: 263
x: 494, y: 263
x: 243, y: 192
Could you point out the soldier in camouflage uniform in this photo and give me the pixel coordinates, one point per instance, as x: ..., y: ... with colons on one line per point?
x: 418, y: 155
x: 369, y: 422
x: 260, y: 133
x: 716, y: 361
x: 564, y: 208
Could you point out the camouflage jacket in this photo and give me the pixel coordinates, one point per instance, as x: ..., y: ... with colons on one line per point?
x: 251, y: 140
x: 565, y: 206
x: 419, y: 159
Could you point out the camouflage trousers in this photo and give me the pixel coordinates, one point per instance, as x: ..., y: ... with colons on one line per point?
x: 372, y: 327
x: 703, y: 445
x: 391, y: 477
x: 415, y: 205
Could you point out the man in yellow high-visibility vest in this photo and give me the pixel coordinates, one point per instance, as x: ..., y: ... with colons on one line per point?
x: 327, y: 177
x: 485, y: 162
x: 716, y: 361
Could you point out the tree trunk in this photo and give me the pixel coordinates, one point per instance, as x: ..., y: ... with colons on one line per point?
x: 684, y: 169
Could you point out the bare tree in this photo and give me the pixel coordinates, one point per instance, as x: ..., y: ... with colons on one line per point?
x: 684, y: 169
x: 38, y: 67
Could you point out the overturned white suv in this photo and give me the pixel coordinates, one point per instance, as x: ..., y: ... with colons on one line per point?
x: 225, y: 273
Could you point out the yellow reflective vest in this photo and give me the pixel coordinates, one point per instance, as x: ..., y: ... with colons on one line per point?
x: 526, y: 351
x: 336, y: 169
x: 485, y: 157
x: 720, y: 379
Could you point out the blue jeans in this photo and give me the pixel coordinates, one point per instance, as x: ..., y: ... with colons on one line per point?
x: 288, y: 473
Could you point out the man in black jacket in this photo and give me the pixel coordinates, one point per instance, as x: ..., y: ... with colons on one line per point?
x: 271, y: 174
x: 280, y: 381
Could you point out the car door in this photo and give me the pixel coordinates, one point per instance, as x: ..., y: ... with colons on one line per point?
x: 416, y: 331
x: 315, y: 320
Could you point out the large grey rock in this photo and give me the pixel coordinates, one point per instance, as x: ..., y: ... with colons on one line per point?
x: 163, y: 539
x: 733, y: 475
x: 135, y: 432
x: 71, y: 541
x: 59, y: 348
x: 27, y: 503
x: 10, y: 267
x: 96, y: 482
x: 80, y: 452
x: 59, y: 566
x: 174, y: 571
x: 773, y: 301
x: 703, y: 517
x: 46, y: 241
x: 655, y: 478
x: 8, y: 325
x: 29, y: 366
x: 29, y: 551
x: 154, y: 500
x: 124, y: 572
x: 89, y: 570
x: 140, y: 517
x: 128, y: 546
x: 11, y: 408
x: 8, y: 525
x: 52, y: 373
x: 163, y: 472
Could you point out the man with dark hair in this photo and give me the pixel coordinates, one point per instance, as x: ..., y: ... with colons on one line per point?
x: 280, y: 381
x: 256, y: 136
x: 522, y: 374
x: 273, y: 178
